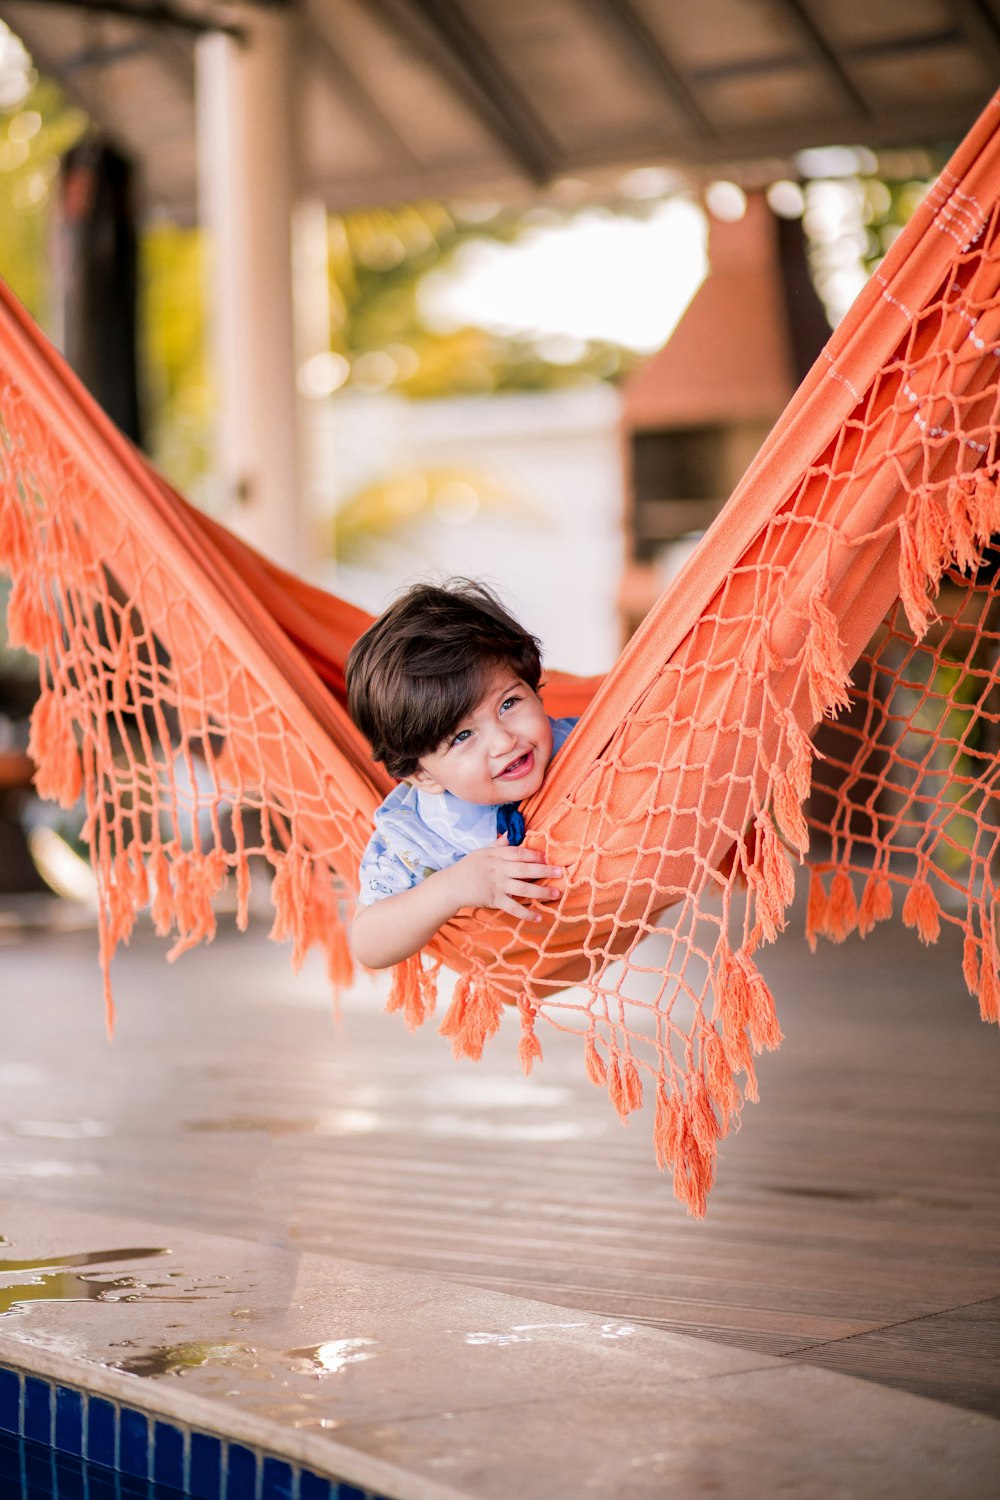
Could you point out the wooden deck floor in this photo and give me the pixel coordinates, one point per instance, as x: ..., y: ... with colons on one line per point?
x: 856, y: 1224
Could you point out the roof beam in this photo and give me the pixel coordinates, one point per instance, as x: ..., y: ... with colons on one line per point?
x: 827, y: 57
x: 155, y: 13
x: 629, y: 28
x: 442, y: 32
x: 980, y: 26
x: 347, y: 87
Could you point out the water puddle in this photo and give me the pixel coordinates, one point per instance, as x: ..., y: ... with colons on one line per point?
x: 59, y: 1278
x: 174, y: 1359
x: 520, y: 1333
x: 331, y: 1357
x: 82, y: 1258
x: 316, y: 1362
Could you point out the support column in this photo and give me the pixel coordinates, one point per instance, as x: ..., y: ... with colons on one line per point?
x: 247, y: 177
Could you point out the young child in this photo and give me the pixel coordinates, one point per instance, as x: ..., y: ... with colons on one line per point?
x: 444, y: 686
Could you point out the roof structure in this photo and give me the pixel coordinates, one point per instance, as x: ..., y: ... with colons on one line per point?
x: 410, y: 98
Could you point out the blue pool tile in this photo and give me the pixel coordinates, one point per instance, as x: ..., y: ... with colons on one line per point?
x: 102, y: 1485
x: 10, y: 1401
x: 168, y: 1454
x: 10, y: 1461
x: 277, y: 1480
x: 205, y: 1472
x: 351, y: 1492
x: 70, y: 1481
x: 241, y: 1472
x: 69, y: 1420
x: 133, y: 1443
x: 314, y: 1487
x: 37, y: 1410
x: 37, y: 1466
x: 131, y: 1488
x: 101, y: 1431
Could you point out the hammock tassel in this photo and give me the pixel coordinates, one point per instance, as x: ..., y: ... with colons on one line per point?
x: 473, y: 1016
x: 989, y: 981
x: 28, y: 622
x: 842, y: 908
x: 705, y: 1125
x: 624, y: 1086
x: 127, y: 893
x: 15, y: 536
x: 744, y: 1004
x: 913, y: 583
x: 970, y: 960
x: 197, y: 879
x: 933, y: 539
x: 667, y: 1128
x: 816, y: 909
x: 52, y: 746
x: 719, y: 1075
x: 677, y: 1145
x: 291, y: 898
x: 529, y: 1048
x: 414, y: 991
x: 921, y: 910
x: 876, y: 902
x: 162, y: 910
x: 963, y: 520
x: 829, y: 682
x: 771, y: 878
x: 597, y: 1070
x: 791, y: 786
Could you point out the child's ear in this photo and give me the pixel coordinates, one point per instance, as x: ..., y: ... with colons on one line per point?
x: 424, y: 781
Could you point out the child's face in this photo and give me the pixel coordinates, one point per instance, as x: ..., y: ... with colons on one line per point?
x: 498, y: 753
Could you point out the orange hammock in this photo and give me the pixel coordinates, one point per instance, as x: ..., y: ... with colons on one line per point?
x: 193, y: 693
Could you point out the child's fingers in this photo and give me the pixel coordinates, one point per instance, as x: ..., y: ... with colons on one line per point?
x: 530, y: 866
x: 505, y: 903
x: 533, y: 892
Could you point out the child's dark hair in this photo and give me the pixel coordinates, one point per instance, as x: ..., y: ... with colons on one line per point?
x: 426, y: 662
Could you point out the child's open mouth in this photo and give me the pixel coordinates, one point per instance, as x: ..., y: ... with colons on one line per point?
x: 518, y: 768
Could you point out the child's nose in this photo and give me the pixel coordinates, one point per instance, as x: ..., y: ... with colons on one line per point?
x: 503, y: 739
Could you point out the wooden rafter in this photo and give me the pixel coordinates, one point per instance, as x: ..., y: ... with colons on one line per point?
x: 828, y: 58
x: 631, y: 31
x: 443, y: 33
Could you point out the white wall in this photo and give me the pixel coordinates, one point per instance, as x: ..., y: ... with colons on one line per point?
x: 553, y: 546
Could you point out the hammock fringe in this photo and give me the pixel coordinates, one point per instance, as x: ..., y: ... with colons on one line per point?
x: 413, y: 990
x: 876, y: 902
x: 474, y: 1015
x: 829, y: 679
x: 52, y: 746
x: 529, y: 1048
x: 921, y: 910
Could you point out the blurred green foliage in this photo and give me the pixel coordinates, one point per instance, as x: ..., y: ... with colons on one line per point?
x: 33, y: 136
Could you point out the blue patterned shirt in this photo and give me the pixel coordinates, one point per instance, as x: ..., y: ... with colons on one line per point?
x: 418, y: 833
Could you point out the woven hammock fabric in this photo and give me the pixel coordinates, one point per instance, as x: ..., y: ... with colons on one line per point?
x: 192, y: 693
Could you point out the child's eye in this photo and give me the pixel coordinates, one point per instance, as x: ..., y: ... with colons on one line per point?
x: 461, y: 736
x: 508, y: 703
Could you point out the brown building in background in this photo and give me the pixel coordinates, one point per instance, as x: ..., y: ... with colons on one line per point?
x: 696, y: 413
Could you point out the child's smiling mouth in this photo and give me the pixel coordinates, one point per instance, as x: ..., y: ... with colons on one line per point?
x: 518, y: 768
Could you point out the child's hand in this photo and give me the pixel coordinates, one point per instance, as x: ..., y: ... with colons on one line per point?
x: 494, y: 876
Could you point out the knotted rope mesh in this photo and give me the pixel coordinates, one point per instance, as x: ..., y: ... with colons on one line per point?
x: 843, y: 606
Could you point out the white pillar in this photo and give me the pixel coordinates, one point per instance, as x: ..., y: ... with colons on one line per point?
x: 247, y: 171
x: 311, y: 279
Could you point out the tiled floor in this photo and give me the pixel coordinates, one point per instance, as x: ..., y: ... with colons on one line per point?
x: 855, y: 1228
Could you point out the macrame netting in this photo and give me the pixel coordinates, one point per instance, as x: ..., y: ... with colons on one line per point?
x: 192, y: 694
